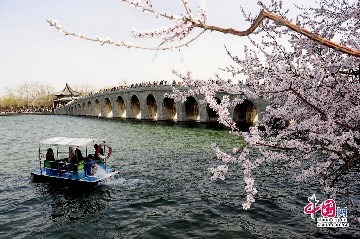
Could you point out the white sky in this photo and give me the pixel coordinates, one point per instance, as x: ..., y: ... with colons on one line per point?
x: 31, y: 51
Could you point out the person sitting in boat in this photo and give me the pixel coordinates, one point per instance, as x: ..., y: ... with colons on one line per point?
x: 79, y: 155
x: 95, y: 156
x: 71, y: 155
x: 101, y: 155
x: 50, y: 155
x: 76, y: 159
x: 62, y: 164
x: 88, y: 158
x: 50, y: 158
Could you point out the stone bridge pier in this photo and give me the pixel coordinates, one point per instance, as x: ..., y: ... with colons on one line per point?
x: 148, y: 103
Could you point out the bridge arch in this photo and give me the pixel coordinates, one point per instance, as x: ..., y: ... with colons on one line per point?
x: 135, y: 107
x: 149, y: 103
x: 245, y: 114
x: 79, y: 109
x: 97, y: 108
x: 108, y: 111
x: 192, y: 112
x: 121, y: 107
x: 84, y: 108
x: 152, y: 107
x: 169, y: 109
x: 90, y: 109
x: 212, y: 115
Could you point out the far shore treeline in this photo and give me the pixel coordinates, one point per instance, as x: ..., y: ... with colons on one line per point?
x: 30, y: 97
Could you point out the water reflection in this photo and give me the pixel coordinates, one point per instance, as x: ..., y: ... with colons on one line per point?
x: 72, y: 204
x: 163, y: 190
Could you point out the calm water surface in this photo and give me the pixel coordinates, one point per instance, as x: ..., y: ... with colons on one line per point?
x: 164, y: 189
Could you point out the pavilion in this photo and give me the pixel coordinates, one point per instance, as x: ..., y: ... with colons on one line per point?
x: 65, y: 96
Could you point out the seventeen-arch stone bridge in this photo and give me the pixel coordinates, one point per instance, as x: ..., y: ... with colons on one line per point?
x: 148, y: 103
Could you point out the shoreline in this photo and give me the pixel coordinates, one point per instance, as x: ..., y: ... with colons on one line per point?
x: 26, y: 113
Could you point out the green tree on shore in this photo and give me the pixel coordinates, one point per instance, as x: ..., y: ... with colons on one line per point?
x: 28, y: 95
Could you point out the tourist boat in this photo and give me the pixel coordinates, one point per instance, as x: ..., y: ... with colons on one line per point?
x: 64, y: 163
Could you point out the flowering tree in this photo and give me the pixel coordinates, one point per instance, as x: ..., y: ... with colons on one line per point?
x: 312, y: 85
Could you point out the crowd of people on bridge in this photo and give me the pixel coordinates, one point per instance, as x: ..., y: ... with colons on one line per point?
x: 143, y: 84
x: 138, y: 85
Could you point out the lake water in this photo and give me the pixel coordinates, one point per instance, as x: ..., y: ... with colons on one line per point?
x: 163, y: 191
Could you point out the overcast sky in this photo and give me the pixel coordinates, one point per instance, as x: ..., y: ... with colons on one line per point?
x: 31, y: 51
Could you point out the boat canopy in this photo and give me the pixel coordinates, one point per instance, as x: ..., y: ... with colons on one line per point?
x: 77, y: 142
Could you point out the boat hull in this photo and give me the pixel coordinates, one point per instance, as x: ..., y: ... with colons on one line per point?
x: 72, y: 180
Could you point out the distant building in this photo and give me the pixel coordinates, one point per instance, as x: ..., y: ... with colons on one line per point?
x: 65, y: 96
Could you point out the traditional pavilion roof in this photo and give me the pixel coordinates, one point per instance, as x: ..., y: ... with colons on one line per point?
x: 68, y: 91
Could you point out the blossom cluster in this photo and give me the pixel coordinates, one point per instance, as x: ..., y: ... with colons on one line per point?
x: 312, y: 120
x: 181, y: 26
x: 55, y: 24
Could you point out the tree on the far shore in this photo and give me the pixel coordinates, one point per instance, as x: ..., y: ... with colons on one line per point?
x: 34, y: 95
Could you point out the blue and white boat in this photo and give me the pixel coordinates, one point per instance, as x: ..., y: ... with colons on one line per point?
x: 64, y: 163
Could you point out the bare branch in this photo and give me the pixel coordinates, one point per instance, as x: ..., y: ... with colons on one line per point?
x: 265, y: 14
x: 196, y: 23
x: 123, y: 43
x: 276, y: 146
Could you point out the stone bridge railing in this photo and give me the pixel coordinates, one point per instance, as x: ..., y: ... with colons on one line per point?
x: 149, y: 103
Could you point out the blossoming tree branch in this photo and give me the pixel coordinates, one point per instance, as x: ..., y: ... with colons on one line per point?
x: 311, y: 83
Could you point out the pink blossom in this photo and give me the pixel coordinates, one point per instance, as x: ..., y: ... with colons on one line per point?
x: 311, y: 123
